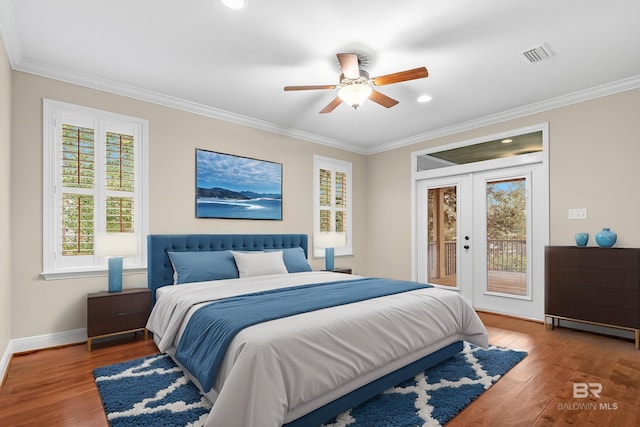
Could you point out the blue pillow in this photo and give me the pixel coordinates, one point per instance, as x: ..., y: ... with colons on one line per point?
x: 294, y: 259
x: 202, y: 266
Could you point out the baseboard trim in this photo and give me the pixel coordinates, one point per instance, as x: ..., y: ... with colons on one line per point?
x: 5, y: 362
x: 39, y: 342
x: 511, y: 316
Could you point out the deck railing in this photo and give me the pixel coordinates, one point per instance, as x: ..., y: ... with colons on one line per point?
x: 507, y: 255
x: 502, y: 255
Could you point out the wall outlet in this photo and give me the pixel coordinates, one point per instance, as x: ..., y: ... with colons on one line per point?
x: 578, y: 213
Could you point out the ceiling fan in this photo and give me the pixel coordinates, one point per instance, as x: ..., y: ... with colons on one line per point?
x: 356, y: 87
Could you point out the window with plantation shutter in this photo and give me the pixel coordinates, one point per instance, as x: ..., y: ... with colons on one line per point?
x: 78, y: 183
x: 94, y: 182
x: 332, y: 189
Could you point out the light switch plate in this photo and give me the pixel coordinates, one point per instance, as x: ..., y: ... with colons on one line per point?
x: 580, y: 213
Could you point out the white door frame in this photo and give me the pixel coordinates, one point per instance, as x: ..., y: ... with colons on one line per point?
x: 488, y: 165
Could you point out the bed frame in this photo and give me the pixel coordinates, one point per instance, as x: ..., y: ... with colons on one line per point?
x: 160, y: 273
x: 160, y: 270
x: 351, y: 400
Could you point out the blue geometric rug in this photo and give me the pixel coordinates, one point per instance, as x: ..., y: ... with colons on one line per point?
x: 152, y: 391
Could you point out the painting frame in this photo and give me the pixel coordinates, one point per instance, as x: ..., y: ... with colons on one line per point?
x: 230, y: 186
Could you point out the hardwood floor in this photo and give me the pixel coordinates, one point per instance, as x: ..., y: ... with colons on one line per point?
x: 539, y: 390
x: 55, y: 387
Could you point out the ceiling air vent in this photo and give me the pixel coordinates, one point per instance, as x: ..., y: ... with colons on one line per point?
x: 536, y: 54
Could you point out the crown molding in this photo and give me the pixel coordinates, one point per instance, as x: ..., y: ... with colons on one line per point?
x: 526, y: 110
x: 106, y: 85
x: 118, y: 88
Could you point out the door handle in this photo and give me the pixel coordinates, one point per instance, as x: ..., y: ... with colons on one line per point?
x: 466, y: 246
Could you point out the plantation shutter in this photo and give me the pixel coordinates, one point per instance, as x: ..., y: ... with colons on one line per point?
x: 120, y: 181
x: 341, y: 202
x: 78, y: 190
x: 78, y: 182
x: 333, y: 199
x: 326, y: 182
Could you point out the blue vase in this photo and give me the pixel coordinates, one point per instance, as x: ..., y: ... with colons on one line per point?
x: 606, y: 238
x: 582, y: 239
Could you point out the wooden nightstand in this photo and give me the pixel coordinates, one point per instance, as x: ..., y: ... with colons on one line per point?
x: 113, y: 313
x: 345, y: 270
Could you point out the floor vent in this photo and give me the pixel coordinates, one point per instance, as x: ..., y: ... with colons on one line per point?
x: 536, y: 54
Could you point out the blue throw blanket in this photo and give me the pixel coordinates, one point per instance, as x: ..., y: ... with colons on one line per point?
x: 212, y: 328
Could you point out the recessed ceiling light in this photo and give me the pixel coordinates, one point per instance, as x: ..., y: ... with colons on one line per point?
x: 507, y: 141
x: 424, y: 98
x: 233, y: 4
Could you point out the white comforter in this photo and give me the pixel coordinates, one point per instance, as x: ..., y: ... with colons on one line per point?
x: 277, y: 371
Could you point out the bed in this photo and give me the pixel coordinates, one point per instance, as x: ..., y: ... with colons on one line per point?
x: 304, y: 367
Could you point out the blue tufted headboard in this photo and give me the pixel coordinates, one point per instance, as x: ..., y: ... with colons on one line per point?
x: 160, y: 271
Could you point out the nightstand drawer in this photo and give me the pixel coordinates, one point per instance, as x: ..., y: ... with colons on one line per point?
x: 113, y: 324
x: 104, y: 304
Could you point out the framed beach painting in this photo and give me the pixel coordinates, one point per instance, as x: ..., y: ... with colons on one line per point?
x: 236, y: 187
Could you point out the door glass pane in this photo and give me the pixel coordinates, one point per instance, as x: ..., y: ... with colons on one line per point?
x: 507, y: 236
x: 442, y: 217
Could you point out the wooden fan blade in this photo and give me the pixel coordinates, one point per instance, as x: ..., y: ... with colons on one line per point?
x: 382, y: 99
x: 349, y: 65
x: 287, y: 88
x: 402, y: 76
x: 332, y: 105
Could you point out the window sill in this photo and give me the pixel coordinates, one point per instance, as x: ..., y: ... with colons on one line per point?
x: 59, y: 275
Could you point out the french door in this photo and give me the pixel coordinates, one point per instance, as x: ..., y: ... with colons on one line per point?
x: 483, y: 234
x: 444, y: 233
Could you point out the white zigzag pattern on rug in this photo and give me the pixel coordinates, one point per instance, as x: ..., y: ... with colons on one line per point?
x: 422, y: 389
x: 142, y: 406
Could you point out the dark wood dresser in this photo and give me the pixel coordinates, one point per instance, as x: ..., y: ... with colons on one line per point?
x: 112, y: 313
x: 593, y: 285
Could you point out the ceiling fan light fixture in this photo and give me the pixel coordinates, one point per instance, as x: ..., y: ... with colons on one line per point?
x: 355, y: 94
x: 356, y: 87
x: 234, y: 4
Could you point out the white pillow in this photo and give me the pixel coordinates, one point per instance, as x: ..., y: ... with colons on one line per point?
x: 260, y: 263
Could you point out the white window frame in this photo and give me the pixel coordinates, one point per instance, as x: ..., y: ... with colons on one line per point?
x: 333, y: 165
x: 55, y: 113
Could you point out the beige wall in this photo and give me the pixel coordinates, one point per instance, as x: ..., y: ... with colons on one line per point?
x: 44, y: 307
x: 5, y: 195
x: 594, y: 150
